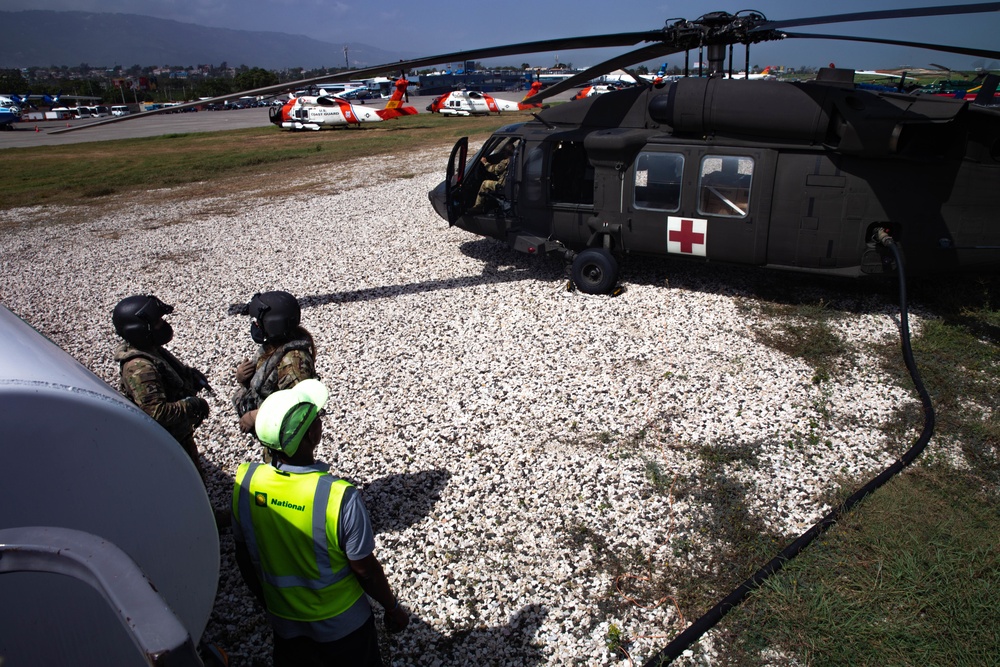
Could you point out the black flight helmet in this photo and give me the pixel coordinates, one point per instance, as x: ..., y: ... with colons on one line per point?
x: 139, y: 320
x: 274, y: 315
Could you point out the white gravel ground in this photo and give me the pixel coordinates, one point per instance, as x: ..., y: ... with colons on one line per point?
x: 502, y: 428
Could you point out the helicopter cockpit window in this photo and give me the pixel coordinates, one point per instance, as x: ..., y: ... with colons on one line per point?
x: 571, y: 176
x: 724, y: 186
x: 658, y: 181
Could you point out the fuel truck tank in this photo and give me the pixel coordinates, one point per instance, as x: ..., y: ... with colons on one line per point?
x: 109, y: 553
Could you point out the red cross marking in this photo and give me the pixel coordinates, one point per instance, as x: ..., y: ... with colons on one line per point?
x: 686, y: 236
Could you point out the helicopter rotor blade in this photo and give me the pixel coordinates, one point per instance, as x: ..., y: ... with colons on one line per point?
x: 945, y: 10
x: 567, y: 43
x: 645, y: 53
x: 963, y: 50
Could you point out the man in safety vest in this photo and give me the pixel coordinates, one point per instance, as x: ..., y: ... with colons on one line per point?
x: 304, y: 542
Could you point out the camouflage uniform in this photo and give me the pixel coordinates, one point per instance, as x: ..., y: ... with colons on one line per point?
x: 495, y: 181
x: 158, y: 383
x: 290, y: 363
x: 295, y: 366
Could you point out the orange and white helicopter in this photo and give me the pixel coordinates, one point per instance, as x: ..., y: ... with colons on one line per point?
x: 309, y: 112
x: 475, y: 103
x: 596, y: 89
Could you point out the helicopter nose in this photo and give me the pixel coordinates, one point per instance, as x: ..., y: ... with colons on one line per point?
x: 437, y: 197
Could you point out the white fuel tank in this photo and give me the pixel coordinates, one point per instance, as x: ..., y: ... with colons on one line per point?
x: 76, y: 454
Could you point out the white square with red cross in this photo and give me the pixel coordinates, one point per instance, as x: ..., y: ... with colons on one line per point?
x: 687, y: 236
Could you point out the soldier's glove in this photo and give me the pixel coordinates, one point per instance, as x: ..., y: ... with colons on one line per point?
x: 197, y: 408
x: 245, y: 371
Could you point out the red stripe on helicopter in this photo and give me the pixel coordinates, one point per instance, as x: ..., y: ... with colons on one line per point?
x: 348, y: 111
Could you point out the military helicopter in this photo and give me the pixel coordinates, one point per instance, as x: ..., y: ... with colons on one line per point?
x: 808, y: 176
x: 475, y: 103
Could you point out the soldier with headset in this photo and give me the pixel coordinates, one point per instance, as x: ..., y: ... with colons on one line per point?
x: 153, y: 378
x: 304, y: 542
x: 286, y: 355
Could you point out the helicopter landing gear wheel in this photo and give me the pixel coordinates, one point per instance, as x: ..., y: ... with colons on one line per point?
x: 595, y: 271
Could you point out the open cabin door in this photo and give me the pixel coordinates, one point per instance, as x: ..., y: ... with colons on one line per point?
x: 455, y: 180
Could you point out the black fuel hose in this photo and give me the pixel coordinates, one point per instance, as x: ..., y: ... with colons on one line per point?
x: 699, y: 627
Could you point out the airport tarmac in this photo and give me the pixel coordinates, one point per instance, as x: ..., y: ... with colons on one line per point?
x: 24, y: 135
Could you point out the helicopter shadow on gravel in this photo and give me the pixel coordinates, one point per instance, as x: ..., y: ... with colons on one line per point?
x: 514, y: 267
x: 947, y: 296
x: 848, y: 295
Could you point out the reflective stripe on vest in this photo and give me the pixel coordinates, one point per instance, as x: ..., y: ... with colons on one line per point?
x: 296, y: 596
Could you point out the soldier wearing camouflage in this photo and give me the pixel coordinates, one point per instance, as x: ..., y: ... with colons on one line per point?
x: 286, y: 355
x: 152, y: 377
x: 494, y: 177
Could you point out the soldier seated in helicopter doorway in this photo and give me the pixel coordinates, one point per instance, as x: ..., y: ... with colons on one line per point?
x: 494, y: 169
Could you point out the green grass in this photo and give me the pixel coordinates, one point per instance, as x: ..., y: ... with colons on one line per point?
x: 910, y: 576
x: 256, y: 157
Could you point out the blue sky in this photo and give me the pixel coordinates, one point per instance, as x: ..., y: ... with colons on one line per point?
x: 440, y: 26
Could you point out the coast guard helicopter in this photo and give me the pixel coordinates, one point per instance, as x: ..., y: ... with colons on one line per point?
x: 596, y: 89
x: 309, y: 112
x: 818, y: 177
x: 475, y: 103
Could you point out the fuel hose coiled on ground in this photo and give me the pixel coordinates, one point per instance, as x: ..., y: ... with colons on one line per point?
x: 715, y: 614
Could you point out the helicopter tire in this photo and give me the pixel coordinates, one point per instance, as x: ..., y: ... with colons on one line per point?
x: 595, y: 271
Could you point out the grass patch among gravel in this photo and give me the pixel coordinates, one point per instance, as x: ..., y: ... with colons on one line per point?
x: 910, y: 576
x: 908, y: 579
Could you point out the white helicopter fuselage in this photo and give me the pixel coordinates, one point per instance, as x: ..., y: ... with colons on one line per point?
x: 314, y: 113
x: 471, y: 103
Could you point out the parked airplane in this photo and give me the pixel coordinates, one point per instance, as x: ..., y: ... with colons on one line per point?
x: 309, y: 112
x: 10, y: 110
x: 475, y: 103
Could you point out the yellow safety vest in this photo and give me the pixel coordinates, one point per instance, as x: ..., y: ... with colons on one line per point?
x: 289, y: 521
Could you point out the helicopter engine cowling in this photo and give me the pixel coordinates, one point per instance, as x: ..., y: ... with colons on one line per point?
x: 830, y: 114
x: 767, y: 109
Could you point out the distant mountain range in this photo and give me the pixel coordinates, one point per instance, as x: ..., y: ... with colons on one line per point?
x: 46, y: 38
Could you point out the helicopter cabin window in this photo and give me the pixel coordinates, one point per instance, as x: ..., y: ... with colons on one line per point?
x: 571, y: 174
x: 532, y: 189
x: 658, y: 181
x: 724, y: 186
